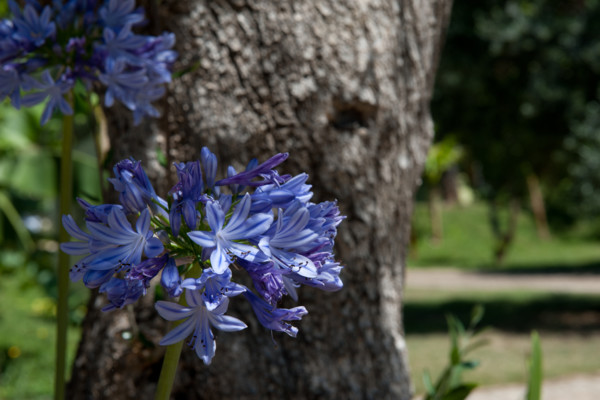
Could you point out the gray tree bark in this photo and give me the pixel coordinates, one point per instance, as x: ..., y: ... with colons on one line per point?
x: 344, y: 86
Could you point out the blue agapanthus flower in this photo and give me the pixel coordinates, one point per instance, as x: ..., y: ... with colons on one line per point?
x: 222, y: 239
x: 198, y: 320
x: 46, y: 50
x: 256, y: 222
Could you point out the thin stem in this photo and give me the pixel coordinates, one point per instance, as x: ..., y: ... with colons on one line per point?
x: 66, y: 196
x: 169, y: 367
x: 100, y: 143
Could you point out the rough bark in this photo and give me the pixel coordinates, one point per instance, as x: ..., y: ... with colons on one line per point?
x: 345, y: 88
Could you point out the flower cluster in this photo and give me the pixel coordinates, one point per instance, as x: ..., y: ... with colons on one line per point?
x: 261, y: 222
x: 45, y: 50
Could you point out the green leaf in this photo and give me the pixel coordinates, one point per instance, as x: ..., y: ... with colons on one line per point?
x: 455, y: 355
x: 476, y: 316
x: 11, y: 213
x: 534, y: 384
x: 460, y: 392
x: 474, y: 345
x: 161, y: 157
x: 456, y: 330
x: 184, y: 71
x: 85, y: 173
x: 34, y: 175
x: 470, y: 364
x: 428, y: 383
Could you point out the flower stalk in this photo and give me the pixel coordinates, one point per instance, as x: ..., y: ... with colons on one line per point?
x: 171, y: 360
x: 66, y: 195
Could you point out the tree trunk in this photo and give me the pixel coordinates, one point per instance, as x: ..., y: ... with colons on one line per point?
x: 345, y: 88
x: 538, y: 207
x: 504, y: 238
x: 436, y: 216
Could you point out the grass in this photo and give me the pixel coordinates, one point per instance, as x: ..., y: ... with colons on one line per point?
x: 569, y: 325
x: 468, y: 243
x: 503, y: 358
x: 569, y: 328
x: 27, y: 338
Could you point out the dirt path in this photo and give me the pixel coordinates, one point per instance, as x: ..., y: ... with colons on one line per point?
x: 456, y: 279
x: 580, y: 387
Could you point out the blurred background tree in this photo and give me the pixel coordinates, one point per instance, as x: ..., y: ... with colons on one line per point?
x: 518, y: 89
x: 442, y: 157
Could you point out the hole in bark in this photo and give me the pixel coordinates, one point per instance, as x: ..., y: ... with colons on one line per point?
x: 354, y: 115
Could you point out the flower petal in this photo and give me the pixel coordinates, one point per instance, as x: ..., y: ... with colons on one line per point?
x: 227, y: 323
x: 142, y: 225
x: 180, y: 332
x: 153, y: 247
x: 103, y: 233
x: 219, y: 260
x: 254, y: 226
x: 239, y: 214
x: 172, y: 311
x: 72, y: 228
x: 215, y: 216
x: 75, y: 248
x: 205, y: 344
x: 203, y: 239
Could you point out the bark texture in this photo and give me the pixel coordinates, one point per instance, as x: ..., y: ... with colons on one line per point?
x: 345, y: 88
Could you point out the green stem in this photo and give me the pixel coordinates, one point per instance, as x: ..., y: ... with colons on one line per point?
x: 169, y: 367
x: 98, y: 144
x: 11, y: 213
x: 66, y: 196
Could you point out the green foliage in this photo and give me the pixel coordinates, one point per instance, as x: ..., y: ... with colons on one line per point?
x: 442, y: 155
x: 534, y: 384
x: 449, y: 385
x: 518, y: 86
x: 28, y: 331
x: 581, y: 183
x: 29, y: 159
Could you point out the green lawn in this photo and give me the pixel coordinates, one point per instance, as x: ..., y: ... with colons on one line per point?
x: 569, y: 327
x: 503, y: 358
x: 468, y: 243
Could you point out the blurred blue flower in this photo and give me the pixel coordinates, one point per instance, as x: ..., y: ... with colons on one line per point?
x: 121, y: 82
x: 51, y: 90
x: 33, y: 27
x: 91, y: 41
x: 116, y: 14
x: 10, y: 86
